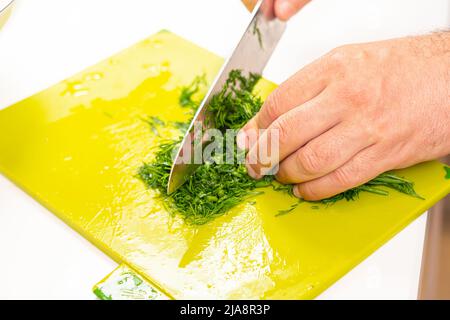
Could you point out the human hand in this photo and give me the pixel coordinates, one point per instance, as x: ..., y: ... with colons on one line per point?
x: 357, y: 112
x: 282, y: 9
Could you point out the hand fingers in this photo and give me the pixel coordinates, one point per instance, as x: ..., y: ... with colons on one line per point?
x: 324, y: 154
x: 290, y: 132
x: 285, y: 9
x: 362, y: 168
x: 300, y: 88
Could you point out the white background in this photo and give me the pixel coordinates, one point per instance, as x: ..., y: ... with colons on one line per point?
x: 46, y: 41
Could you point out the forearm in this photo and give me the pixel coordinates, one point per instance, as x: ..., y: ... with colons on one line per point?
x: 436, y: 44
x: 434, y: 51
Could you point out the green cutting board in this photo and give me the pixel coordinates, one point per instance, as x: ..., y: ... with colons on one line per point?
x: 76, y: 148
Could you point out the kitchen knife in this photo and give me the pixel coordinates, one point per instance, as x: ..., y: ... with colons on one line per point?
x: 251, y: 56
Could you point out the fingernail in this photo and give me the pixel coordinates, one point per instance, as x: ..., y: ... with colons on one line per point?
x: 297, y: 192
x: 285, y: 10
x: 252, y: 173
x: 241, y: 140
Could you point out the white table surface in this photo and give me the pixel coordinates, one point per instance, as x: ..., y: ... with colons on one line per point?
x: 48, y: 40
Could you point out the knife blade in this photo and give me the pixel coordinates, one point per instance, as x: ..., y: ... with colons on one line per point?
x: 250, y: 56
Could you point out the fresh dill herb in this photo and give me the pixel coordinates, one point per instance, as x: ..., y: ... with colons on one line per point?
x: 386, y: 180
x: 182, y: 126
x: 156, y: 174
x: 186, y: 99
x: 210, y: 192
x: 256, y: 31
x: 391, y: 181
x: 291, y: 208
x: 107, y: 114
x: 447, y: 172
x: 235, y: 104
x: 154, y: 123
x: 216, y: 187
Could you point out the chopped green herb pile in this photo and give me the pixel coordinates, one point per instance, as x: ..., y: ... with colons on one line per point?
x: 235, y: 105
x: 216, y: 188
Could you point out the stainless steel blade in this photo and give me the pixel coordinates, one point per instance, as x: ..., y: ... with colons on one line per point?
x: 251, y: 55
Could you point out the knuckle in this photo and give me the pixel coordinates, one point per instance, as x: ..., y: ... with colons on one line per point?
x: 371, y: 133
x: 339, y: 56
x: 309, y: 160
x: 347, y: 57
x: 360, y: 96
x: 345, y: 53
x: 345, y: 178
x: 270, y: 109
x: 356, y: 95
x: 283, y: 127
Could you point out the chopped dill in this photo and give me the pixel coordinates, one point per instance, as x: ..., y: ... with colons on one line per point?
x: 186, y: 99
x: 182, y: 126
x: 291, y: 208
x: 211, y: 191
x: 216, y: 187
x: 154, y: 123
x: 256, y: 31
x: 235, y: 104
x: 386, y: 180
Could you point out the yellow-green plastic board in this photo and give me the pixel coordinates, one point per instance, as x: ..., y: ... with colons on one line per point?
x: 76, y: 148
